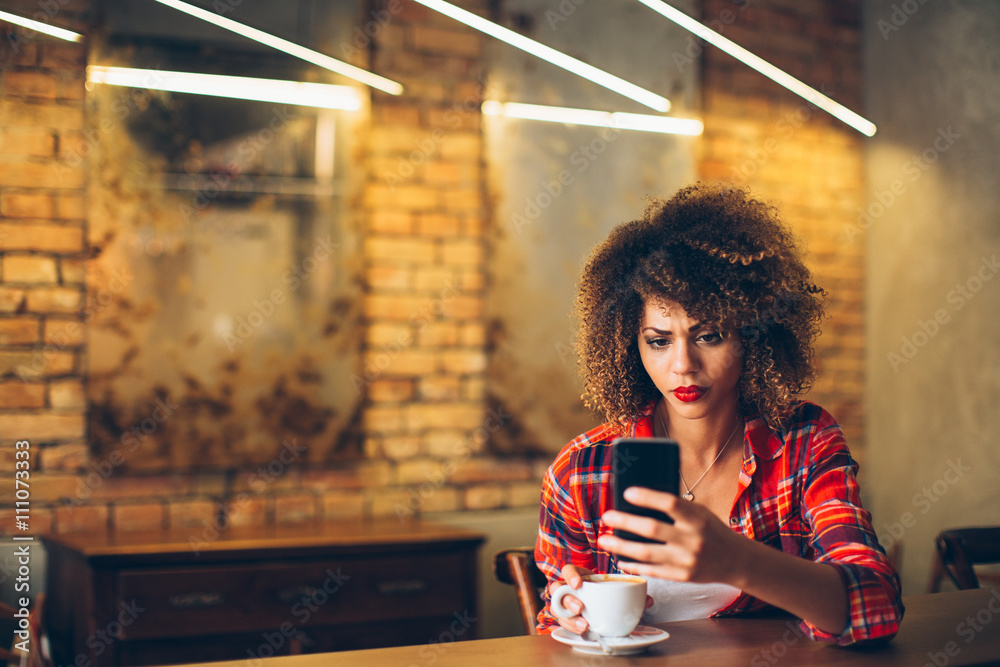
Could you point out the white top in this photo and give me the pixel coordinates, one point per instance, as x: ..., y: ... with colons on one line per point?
x: 683, y: 601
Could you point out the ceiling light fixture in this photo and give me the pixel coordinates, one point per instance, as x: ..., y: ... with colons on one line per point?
x: 291, y: 48
x: 617, y: 120
x: 320, y: 95
x: 859, y: 123
x: 578, y: 67
x: 38, y: 26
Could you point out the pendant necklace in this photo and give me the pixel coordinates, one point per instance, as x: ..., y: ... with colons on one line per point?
x: 688, y: 495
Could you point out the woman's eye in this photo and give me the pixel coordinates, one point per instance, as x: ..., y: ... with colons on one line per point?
x: 657, y: 342
x: 711, y: 338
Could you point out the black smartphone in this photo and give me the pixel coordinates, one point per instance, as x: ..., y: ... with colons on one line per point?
x: 650, y: 462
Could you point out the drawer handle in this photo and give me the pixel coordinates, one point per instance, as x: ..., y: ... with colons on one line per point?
x: 401, y: 587
x: 295, y: 594
x: 192, y: 600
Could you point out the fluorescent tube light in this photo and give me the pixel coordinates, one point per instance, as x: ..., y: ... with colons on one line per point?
x: 617, y: 120
x: 291, y: 48
x: 38, y: 26
x: 781, y: 77
x: 549, y: 54
x: 236, y: 87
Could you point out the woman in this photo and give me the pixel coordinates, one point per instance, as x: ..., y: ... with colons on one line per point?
x: 697, y: 323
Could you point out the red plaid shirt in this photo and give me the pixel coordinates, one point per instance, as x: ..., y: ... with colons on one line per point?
x: 797, y: 493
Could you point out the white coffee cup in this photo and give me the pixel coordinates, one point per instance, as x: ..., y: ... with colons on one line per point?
x: 612, y: 603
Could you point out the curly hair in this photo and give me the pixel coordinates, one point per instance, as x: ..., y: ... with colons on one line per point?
x: 726, y: 259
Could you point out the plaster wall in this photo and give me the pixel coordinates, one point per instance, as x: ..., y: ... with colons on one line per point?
x: 933, y: 245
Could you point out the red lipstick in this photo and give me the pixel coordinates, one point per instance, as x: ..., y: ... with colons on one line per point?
x: 689, y: 394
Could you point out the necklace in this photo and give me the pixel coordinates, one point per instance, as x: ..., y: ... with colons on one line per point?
x: 688, y: 495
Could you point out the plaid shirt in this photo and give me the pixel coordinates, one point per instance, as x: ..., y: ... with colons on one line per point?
x: 797, y: 493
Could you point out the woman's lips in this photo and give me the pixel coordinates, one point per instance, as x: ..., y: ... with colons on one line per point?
x: 689, y: 394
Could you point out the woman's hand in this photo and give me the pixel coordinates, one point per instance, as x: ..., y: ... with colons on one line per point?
x: 698, y: 547
x: 573, y: 575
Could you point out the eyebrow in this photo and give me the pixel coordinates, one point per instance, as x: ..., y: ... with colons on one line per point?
x: 694, y: 328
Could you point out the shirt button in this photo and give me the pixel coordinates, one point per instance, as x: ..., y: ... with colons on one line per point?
x: 733, y: 520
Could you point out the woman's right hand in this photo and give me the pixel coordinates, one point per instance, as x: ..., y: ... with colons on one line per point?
x: 572, y: 575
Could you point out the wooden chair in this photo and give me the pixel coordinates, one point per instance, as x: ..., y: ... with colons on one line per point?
x: 958, y: 550
x: 517, y: 567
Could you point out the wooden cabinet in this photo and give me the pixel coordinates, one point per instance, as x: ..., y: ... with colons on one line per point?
x: 161, y: 598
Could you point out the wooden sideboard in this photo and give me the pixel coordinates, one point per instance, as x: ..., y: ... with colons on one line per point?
x: 166, y: 597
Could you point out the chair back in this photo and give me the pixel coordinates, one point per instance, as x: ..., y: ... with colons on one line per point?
x: 959, y: 549
x: 517, y: 568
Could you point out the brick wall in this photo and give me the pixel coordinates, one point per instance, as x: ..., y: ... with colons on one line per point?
x: 426, y: 213
x: 760, y: 135
x: 42, y: 269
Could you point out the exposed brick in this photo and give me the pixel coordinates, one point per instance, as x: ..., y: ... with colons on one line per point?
x: 438, y: 334
x: 384, y: 390
x: 389, y: 277
x: 446, y: 443
x: 83, y: 518
x: 66, y: 458
x: 107, y: 482
x: 26, y: 205
x: 70, y: 207
x: 51, y: 487
x: 63, y: 56
x: 17, y: 394
x: 440, y: 388
x: 13, y: 299
x: 42, y: 426
x: 433, y: 224
x: 490, y: 470
x: 294, y: 508
x: 462, y: 252
x: 407, y: 362
x: 420, y: 471
x: 142, y: 516
x: 432, y: 415
x: 14, y: 113
x: 343, y: 505
x: 348, y: 476
x: 19, y: 330
x: 37, y: 364
x: 191, y: 513
x: 524, y: 494
x: 72, y: 271
x: 247, y: 510
x: 29, y: 269
x: 401, y: 447
x: 390, y: 222
x: 31, y: 84
x: 484, y: 497
x: 392, y: 502
x: 64, y: 333
x: 441, y: 499
x: 67, y: 394
x: 53, y: 174
x: 464, y: 361
x: 54, y: 300
x: 414, y: 250
x: 436, y: 40
x: 403, y: 196
x: 42, y: 238
x: 37, y: 142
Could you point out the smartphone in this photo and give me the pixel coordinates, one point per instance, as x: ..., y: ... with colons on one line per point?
x: 650, y: 462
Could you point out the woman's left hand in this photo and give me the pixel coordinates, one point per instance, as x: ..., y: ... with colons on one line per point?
x: 697, y: 547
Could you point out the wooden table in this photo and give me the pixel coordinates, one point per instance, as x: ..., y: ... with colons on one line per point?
x: 935, y: 631
x: 180, y: 596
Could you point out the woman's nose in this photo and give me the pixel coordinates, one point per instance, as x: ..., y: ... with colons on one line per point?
x: 684, y: 359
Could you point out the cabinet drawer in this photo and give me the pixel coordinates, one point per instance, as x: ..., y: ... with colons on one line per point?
x: 245, y: 597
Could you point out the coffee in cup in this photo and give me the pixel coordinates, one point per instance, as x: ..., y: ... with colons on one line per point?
x: 612, y: 603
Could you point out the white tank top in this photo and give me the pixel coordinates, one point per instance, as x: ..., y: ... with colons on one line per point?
x: 683, y: 601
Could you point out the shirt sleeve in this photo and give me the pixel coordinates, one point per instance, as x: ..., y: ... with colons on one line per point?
x: 561, y: 535
x: 843, y: 537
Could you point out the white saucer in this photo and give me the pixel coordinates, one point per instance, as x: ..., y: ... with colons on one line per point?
x: 637, y: 642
